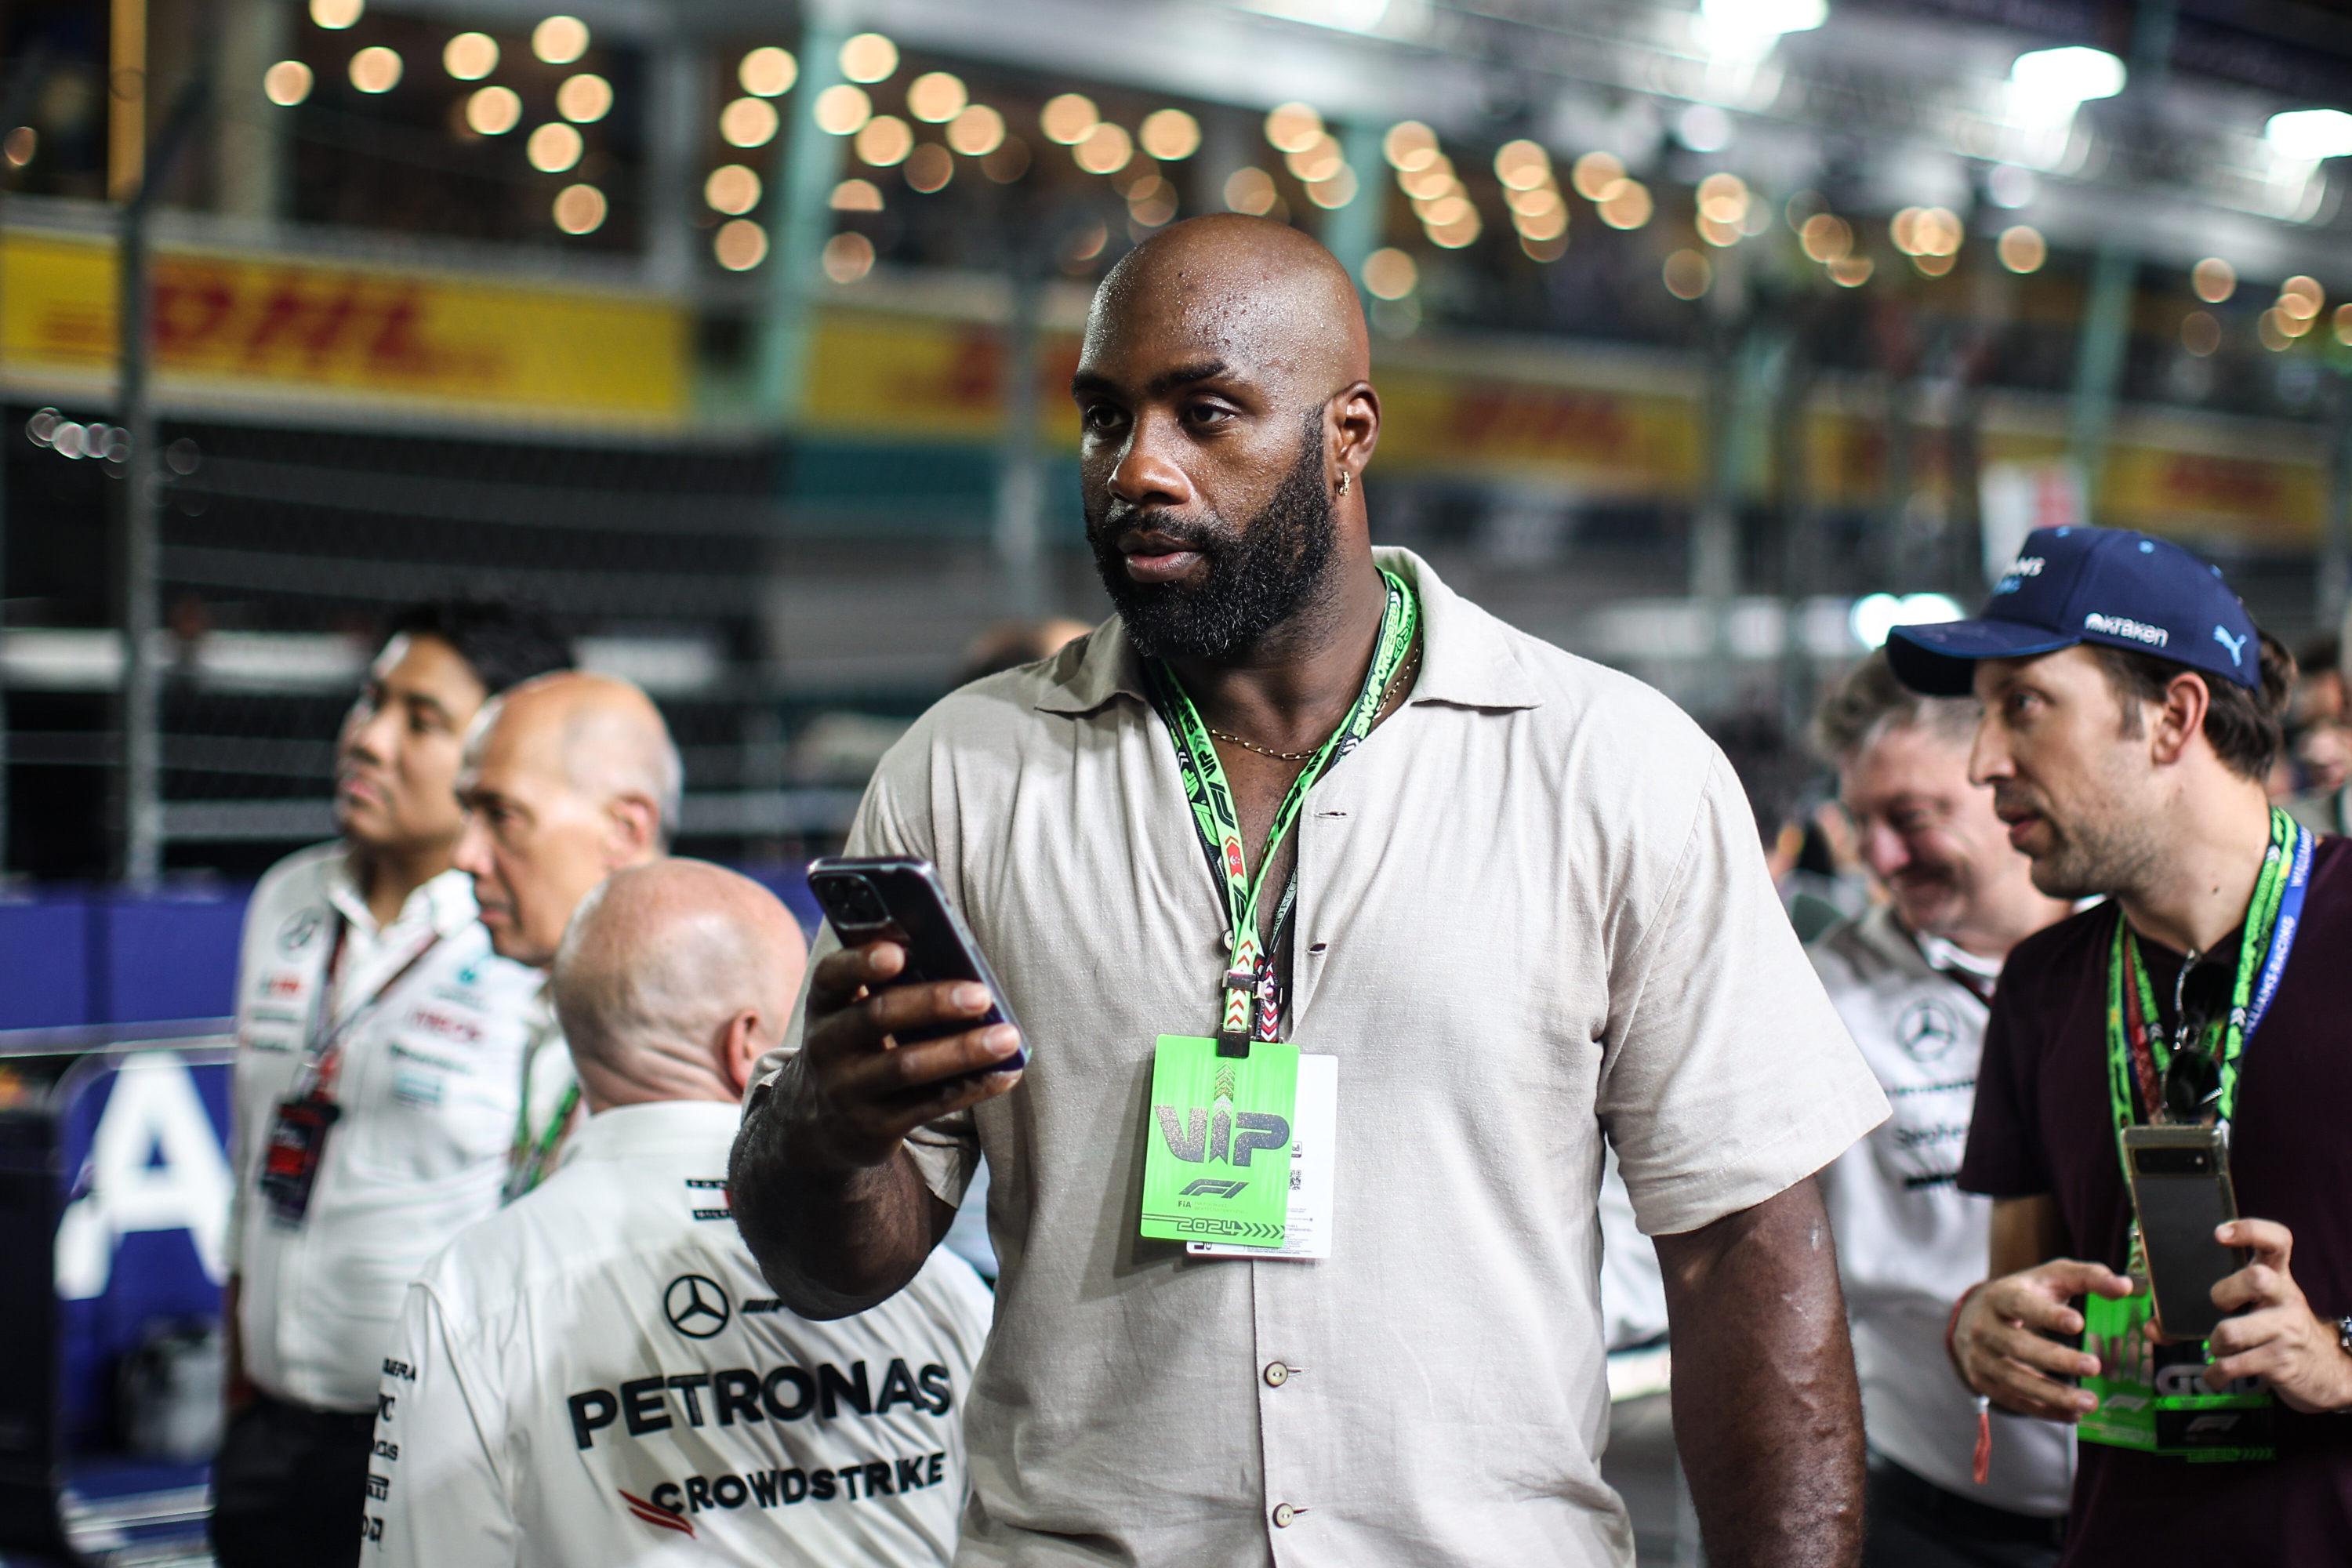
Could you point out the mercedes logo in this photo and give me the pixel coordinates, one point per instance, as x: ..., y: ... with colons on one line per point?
x: 694, y: 1306
x: 1928, y: 1031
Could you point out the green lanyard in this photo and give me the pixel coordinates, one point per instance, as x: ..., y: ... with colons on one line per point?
x: 2136, y: 1047
x: 528, y: 1162
x: 1220, y: 833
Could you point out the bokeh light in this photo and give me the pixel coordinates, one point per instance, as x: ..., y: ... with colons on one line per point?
x: 740, y: 246
x: 840, y: 109
x: 585, y: 98
x: 1068, y: 117
x: 848, y: 258
x: 337, y: 14
x: 470, y: 56
x: 868, y: 57
x: 930, y: 167
x: 885, y: 140
x: 768, y: 71
x: 1107, y: 147
x: 1170, y: 134
x: 1293, y: 127
x: 553, y: 148
x: 559, y: 40
x: 579, y: 209
x: 856, y: 196
x: 285, y: 84
x: 1250, y: 190
x: 733, y: 189
x: 1688, y: 274
x: 493, y: 111
x: 2214, y: 280
x: 376, y: 70
x: 937, y: 97
x: 1390, y: 274
x: 2023, y: 249
x: 977, y: 131
x: 749, y: 122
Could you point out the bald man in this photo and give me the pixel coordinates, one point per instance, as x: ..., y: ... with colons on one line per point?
x: 598, y: 1374
x: 1303, y: 846
x: 565, y: 780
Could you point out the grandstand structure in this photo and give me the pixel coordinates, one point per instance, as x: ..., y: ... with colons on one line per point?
x: 735, y: 335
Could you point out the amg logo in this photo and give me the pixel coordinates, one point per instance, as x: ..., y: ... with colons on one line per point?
x: 1210, y: 1187
x: 2125, y: 627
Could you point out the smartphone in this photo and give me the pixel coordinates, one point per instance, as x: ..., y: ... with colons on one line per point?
x: 2180, y: 1191
x: 898, y: 898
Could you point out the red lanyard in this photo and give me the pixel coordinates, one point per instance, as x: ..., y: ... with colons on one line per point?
x: 2151, y: 1090
x: 324, y: 1054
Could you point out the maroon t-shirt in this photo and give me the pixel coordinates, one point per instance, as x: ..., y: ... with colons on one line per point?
x: 2044, y: 1127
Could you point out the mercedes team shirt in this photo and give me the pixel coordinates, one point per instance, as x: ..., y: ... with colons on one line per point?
x: 599, y: 1375
x: 431, y: 1071
x: 1909, y: 1241
x: 1532, y: 914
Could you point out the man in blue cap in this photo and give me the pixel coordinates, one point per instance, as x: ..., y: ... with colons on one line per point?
x: 2131, y: 713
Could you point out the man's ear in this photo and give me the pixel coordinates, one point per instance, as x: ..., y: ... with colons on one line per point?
x: 2180, y: 718
x: 632, y: 831
x: 1356, y: 420
x: 739, y: 1050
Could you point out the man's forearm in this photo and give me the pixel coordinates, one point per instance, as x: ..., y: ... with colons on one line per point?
x: 832, y: 1242
x: 1767, y: 1414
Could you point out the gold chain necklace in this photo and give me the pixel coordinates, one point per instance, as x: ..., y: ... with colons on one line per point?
x: 1399, y: 684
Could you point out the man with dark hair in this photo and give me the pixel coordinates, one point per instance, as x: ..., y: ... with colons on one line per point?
x: 1527, y: 912
x: 2130, y: 716
x: 379, y: 1072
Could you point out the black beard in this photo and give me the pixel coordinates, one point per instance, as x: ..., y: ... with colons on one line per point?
x: 1259, y: 575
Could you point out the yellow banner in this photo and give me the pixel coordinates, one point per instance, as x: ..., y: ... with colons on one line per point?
x: 232, y: 324
x: 906, y: 377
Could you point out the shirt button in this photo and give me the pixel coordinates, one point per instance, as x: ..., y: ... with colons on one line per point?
x: 1277, y: 1374
x: 1283, y: 1514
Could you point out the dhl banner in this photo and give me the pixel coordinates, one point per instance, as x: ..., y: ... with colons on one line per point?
x: 264, y: 327
x: 890, y: 376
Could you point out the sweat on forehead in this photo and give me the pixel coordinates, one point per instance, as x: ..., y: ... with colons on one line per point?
x: 1257, y: 293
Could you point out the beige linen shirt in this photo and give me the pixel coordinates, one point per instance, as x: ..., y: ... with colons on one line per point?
x: 1532, y: 911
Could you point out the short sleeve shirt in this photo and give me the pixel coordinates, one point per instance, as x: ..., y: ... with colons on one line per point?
x: 2044, y: 1127
x: 1532, y: 913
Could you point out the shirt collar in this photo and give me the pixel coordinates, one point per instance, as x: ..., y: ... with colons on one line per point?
x: 665, y: 1126
x: 1466, y: 656
x: 445, y: 903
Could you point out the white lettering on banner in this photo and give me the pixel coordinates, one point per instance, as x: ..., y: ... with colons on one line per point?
x: 2125, y: 627
x: 155, y: 1164
x: 2024, y: 567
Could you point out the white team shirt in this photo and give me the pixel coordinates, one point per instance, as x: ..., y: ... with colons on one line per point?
x: 428, y: 1084
x: 598, y: 1374
x: 1909, y: 1241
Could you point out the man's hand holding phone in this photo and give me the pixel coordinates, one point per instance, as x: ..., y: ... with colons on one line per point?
x: 2001, y: 1343
x: 861, y: 1090
x: 2276, y: 1335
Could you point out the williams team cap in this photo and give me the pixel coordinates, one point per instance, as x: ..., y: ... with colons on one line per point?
x: 2072, y: 585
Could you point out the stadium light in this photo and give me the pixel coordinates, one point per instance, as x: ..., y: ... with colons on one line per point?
x: 2309, y: 135
x: 1762, y: 20
x: 2063, y: 79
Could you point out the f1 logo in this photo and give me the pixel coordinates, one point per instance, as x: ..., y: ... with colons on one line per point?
x: 1210, y: 1187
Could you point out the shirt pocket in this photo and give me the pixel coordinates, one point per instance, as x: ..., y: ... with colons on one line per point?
x: 435, y: 1095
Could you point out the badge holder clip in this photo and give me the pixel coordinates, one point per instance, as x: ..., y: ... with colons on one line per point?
x: 1235, y: 1043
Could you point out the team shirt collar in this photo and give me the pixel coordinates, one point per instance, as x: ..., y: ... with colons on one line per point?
x: 668, y: 1126
x: 444, y: 904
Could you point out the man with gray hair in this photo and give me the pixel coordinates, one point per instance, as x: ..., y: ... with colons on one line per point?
x: 1912, y: 978
x: 598, y: 1373
x: 566, y: 780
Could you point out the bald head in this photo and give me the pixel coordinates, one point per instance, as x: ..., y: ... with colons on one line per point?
x: 1226, y: 414
x: 566, y: 778
x: 1256, y: 293
x: 672, y: 980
